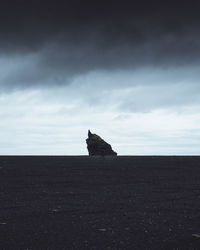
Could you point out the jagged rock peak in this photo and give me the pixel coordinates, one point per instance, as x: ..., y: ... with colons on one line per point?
x: 97, y: 146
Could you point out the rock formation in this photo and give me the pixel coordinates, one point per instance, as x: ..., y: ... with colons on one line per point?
x: 97, y: 146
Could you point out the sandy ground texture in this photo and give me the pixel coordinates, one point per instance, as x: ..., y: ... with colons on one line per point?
x: 100, y: 203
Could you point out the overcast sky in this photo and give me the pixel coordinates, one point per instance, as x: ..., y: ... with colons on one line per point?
x: 127, y: 70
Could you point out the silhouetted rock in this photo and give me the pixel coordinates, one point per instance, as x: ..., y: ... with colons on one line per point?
x: 97, y: 146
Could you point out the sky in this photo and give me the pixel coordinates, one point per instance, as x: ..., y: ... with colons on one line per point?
x: 127, y: 70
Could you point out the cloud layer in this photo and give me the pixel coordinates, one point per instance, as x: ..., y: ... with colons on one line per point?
x: 127, y: 70
x: 51, y: 43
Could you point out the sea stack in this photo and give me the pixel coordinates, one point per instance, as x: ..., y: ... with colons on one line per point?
x: 97, y: 146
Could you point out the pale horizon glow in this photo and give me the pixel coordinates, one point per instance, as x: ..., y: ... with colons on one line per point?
x: 139, y: 117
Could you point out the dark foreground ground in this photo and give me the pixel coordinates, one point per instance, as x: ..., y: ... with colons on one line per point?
x: 99, y: 203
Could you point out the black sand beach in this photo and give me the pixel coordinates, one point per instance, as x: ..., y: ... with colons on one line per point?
x: 99, y: 202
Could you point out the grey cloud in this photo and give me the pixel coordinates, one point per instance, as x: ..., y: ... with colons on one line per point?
x: 54, y: 43
x: 59, y: 62
x: 146, y: 99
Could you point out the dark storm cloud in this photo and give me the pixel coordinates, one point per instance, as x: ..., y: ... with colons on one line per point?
x: 69, y: 38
